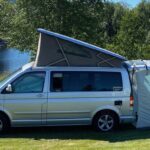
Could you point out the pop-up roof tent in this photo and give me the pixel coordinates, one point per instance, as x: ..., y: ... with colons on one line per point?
x: 140, y: 78
x: 58, y: 50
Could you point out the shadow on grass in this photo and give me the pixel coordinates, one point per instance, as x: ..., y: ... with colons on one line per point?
x: 124, y: 133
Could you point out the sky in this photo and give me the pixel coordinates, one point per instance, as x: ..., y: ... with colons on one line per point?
x: 131, y: 3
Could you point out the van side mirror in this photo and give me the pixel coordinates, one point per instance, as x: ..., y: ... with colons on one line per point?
x: 9, y: 88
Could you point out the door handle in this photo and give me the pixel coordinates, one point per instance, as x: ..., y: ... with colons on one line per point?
x: 40, y: 95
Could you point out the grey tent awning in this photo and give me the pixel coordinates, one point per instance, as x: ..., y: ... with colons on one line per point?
x: 58, y: 50
x: 139, y: 71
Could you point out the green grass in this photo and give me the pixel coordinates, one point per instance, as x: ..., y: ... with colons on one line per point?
x: 74, y: 138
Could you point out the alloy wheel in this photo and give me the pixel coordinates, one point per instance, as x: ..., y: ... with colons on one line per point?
x: 105, y: 122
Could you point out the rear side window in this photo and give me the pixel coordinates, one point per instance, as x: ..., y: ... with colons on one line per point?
x: 107, y: 81
x: 86, y: 81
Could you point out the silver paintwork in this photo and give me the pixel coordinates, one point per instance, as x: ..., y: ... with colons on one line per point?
x: 63, y: 108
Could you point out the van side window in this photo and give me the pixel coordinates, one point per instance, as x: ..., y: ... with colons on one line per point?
x: 107, y: 81
x: 76, y: 81
x: 32, y: 82
x: 71, y: 81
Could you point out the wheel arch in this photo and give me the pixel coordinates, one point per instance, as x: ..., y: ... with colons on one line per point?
x: 6, y: 115
x: 113, y: 111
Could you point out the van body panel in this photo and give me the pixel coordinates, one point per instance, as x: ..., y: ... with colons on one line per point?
x: 65, y: 108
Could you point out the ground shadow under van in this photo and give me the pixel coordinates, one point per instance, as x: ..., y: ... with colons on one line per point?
x: 124, y: 133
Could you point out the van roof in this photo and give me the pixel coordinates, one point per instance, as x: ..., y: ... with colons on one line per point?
x: 55, y: 49
x: 80, y: 43
x: 30, y: 66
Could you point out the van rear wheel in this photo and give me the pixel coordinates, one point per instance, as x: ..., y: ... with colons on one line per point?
x: 105, y: 121
x: 4, y: 123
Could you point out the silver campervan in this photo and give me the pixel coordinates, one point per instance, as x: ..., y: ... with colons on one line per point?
x: 59, y: 96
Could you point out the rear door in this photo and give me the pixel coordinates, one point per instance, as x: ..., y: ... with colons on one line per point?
x: 66, y: 103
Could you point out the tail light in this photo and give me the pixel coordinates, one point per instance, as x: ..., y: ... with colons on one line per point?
x: 131, y: 101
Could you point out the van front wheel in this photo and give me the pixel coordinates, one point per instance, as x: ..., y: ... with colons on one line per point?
x: 105, y: 121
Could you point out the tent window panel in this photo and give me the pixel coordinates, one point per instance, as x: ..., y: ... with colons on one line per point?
x: 75, y: 49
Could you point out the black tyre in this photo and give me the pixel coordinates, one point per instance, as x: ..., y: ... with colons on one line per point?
x: 105, y: 121
x: 4, y: 123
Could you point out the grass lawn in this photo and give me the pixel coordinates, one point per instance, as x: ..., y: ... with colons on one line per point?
x: 74, y: 138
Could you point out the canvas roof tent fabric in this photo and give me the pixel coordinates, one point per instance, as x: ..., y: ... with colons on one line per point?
x: 58, y: 50
x: 140, y: 78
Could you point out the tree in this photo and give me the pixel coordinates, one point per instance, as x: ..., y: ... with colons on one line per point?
x: 109, y: 25
x: 134, y: 27
x: 78, y: 19
x: 6, y: 12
